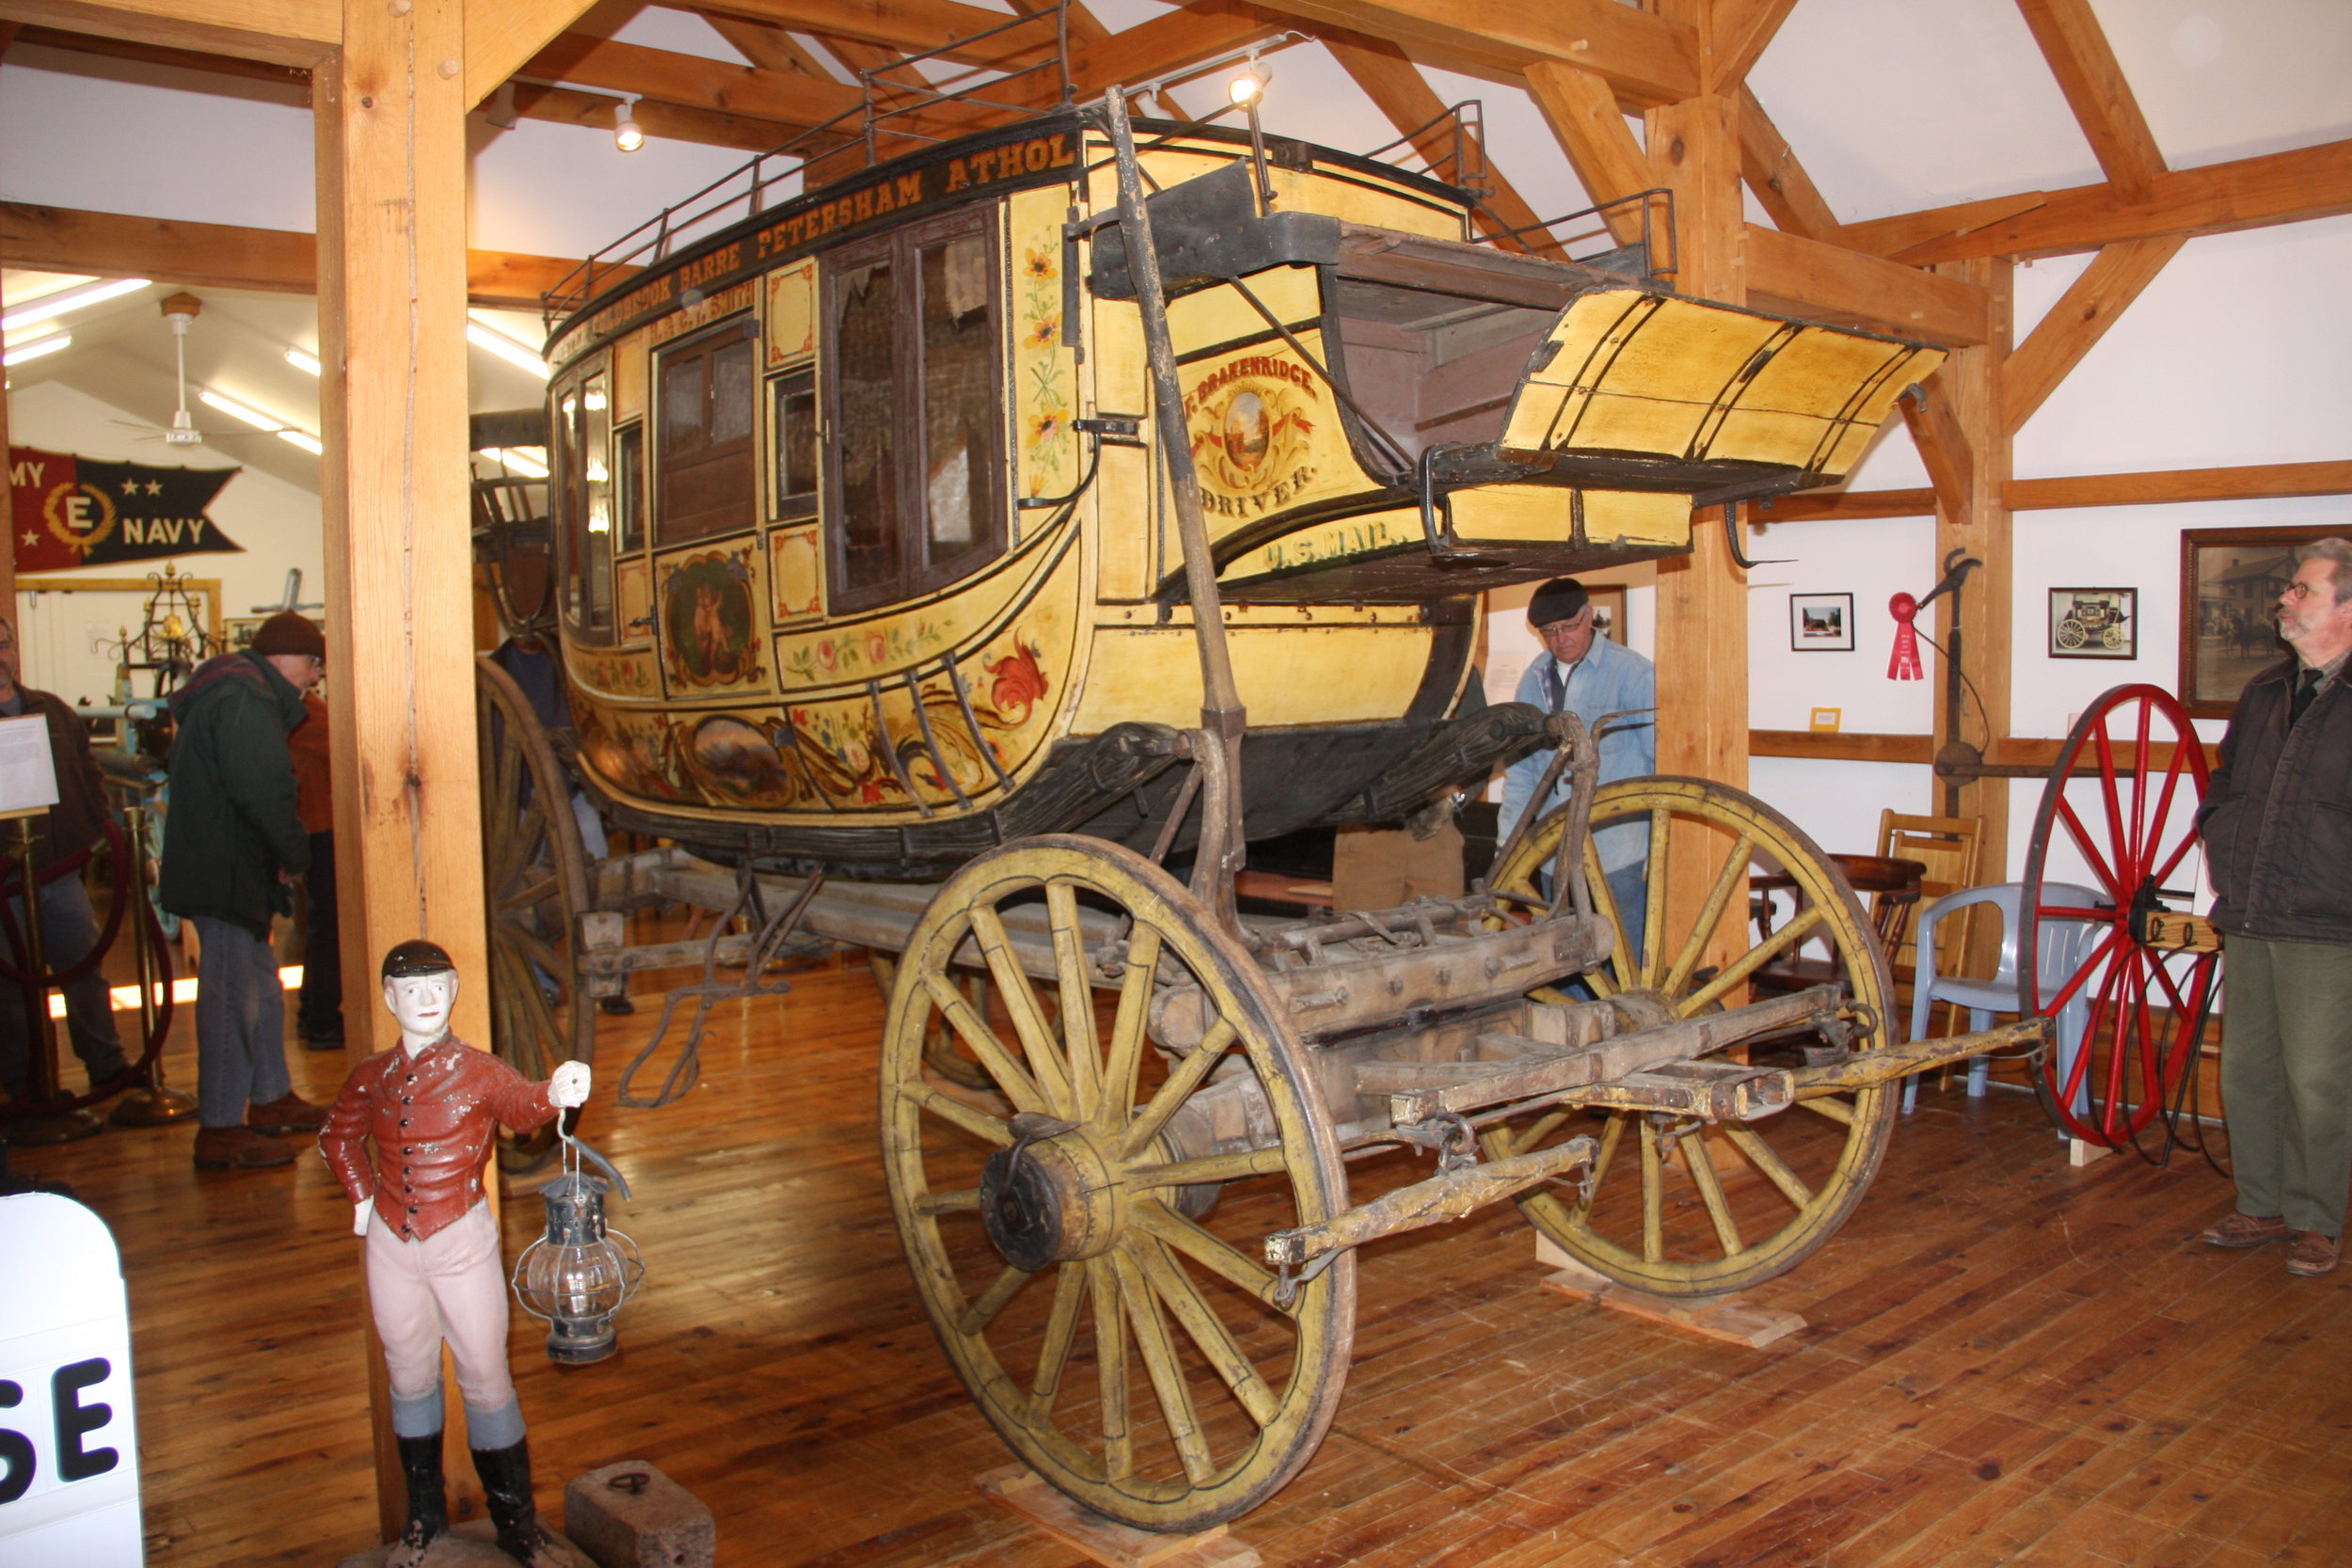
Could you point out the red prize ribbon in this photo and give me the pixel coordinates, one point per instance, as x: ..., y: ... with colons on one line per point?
x: 1904, y: 666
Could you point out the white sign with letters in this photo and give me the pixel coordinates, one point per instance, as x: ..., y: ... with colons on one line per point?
x: 69, y: 1443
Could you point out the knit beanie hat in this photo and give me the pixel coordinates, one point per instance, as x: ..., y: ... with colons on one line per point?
x: 289, y: 633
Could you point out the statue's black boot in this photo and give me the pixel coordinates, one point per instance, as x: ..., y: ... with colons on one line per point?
x: 428, y: 1501
x: 506, y: 1485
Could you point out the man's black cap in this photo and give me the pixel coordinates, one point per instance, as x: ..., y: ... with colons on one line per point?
x: 417, y: 957
x: 1558, y: 600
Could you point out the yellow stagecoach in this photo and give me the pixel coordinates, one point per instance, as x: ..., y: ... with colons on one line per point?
x: 1047, y: 506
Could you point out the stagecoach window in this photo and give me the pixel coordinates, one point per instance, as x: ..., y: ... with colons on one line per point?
x: 582, y: 430
x: 628, y: 490
x: 705, y: 465
x: 917, y: 404
x: 795, y: 442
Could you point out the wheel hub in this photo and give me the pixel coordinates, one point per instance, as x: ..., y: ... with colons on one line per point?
x: 1049, y: 1199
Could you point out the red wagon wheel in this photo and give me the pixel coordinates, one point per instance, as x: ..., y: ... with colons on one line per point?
x: 2136, y: 1006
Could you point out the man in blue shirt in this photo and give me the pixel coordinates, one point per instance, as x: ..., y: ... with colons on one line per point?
x: 1587, y: 674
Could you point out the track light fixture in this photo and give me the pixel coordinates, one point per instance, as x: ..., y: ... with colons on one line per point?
x: 626, y: 134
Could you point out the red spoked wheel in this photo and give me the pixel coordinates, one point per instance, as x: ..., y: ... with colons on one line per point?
x: 2130, y: 1011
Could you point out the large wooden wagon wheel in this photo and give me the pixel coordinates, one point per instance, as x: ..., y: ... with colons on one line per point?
x: 535, y: 885
x: 1131, y: 1349
x: 1679, y: 1206
x: 2135, y: 756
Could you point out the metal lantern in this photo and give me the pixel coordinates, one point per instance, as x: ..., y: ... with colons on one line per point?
x: 578, y: 1273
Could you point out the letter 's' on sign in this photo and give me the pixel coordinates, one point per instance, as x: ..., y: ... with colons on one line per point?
x: 68, y: 1446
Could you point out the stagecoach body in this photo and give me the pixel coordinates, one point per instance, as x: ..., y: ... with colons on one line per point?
x: 866, y: 559
x: 908, y: 531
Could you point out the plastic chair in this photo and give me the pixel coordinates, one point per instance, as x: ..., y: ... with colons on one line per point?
x: 2063, y: 945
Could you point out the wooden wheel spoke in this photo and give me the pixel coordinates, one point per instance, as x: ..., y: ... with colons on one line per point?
x: 1110, y: 1367
x: 1700, y: 1166
x: 947, y: 1108
x: 1759, y: 1153
x: 1200, y: 1323
x: 1077, y: 996
x: 1182, y: 1080
x: 531, y: 893
x: 1039, y: 1042
x: 1504, y: 1142
x: 1654, y: 911
x: 1628, y: 976
x: 1729, y: 880
x: 991, y: 1301
x: 975, y: 1033
x: 1653, y: 1197
x: 1165, y: 1225
x: 1129, y: 1026
x: 1611, y: 1136
x: 2089, y: 851
x: 1061, y: 1334
x: 931, y: 1205
x: 1208, y: 1169
x: 1801, y: 924
x: 1167, y: 1374
x: 1831, y: 1104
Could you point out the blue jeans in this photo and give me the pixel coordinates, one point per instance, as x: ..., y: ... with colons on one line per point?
x: 240, y: 1023
x: 69, y: 930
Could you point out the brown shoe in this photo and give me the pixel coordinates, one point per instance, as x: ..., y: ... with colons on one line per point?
x: 289, y: 1113
x: 238, y: 1148
x: 2313, y: 1255
x: 2245, y: 1230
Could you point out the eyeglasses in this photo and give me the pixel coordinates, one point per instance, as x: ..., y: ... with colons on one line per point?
x: 2300, y: 590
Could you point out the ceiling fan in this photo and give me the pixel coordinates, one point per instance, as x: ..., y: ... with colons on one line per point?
x: 181, y: 310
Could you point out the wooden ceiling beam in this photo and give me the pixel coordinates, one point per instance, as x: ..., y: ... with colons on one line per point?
x: 2077, y: 49
x: 1646, y: 59
x: 1806, y: 278
x: 1399, y: 90
x: 1176, y: 40
x: 502, y: 34
x: 2218, y: 199
x: 2080, y: 318
x: 283, y: 32
x: 665, y: 121
x: 222, y: 256
x: 1734, y: 34
x: 690, y: 81
x: 1582, y: 110
x: 1781, y: 185
x: 1943, y: 441
x: 902, y: 26
x: 2250, y: 482
x: 769, y: 47
x: 295, y: 79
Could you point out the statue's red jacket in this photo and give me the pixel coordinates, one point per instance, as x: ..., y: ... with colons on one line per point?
x: 434, y: 1118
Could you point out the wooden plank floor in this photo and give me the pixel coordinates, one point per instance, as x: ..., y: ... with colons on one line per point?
x: 2009, y: 1361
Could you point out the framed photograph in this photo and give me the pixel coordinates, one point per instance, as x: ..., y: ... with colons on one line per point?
x: 1609, y: 613
x: 2094, y: 622
x: 1820, y: 622
x: 2231, y: 579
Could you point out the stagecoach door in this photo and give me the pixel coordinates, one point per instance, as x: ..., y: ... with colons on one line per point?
x: 914, y: 409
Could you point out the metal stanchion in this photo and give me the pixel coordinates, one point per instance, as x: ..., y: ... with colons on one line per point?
x: 150, y: 1103
x: 49, y: 1126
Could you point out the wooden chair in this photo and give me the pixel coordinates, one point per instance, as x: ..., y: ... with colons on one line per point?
x: 1892, y: 888
x: 1947, y: 846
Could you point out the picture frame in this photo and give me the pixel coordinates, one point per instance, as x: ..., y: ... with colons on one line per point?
x: 2094, y: 622
x: 1820, y: 622
x: 1609, y: 613
x: 2230, y: 578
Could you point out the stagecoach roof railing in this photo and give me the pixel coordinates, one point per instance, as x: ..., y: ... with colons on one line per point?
x: 866, y: 134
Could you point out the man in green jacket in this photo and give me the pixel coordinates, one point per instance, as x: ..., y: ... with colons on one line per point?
x: 232, y: 844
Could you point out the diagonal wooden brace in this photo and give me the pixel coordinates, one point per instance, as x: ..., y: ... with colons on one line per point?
x: 1448, y: 1195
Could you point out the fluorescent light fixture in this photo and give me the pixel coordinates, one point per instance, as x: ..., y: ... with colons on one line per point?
x: 516, y: 459
x: 36, y: 349
x: 51, y: 286
x: 304, y: 439
x: 306, y: 363
x: 236, y: 410
x: 507, y: 349
x: 58, y: 305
